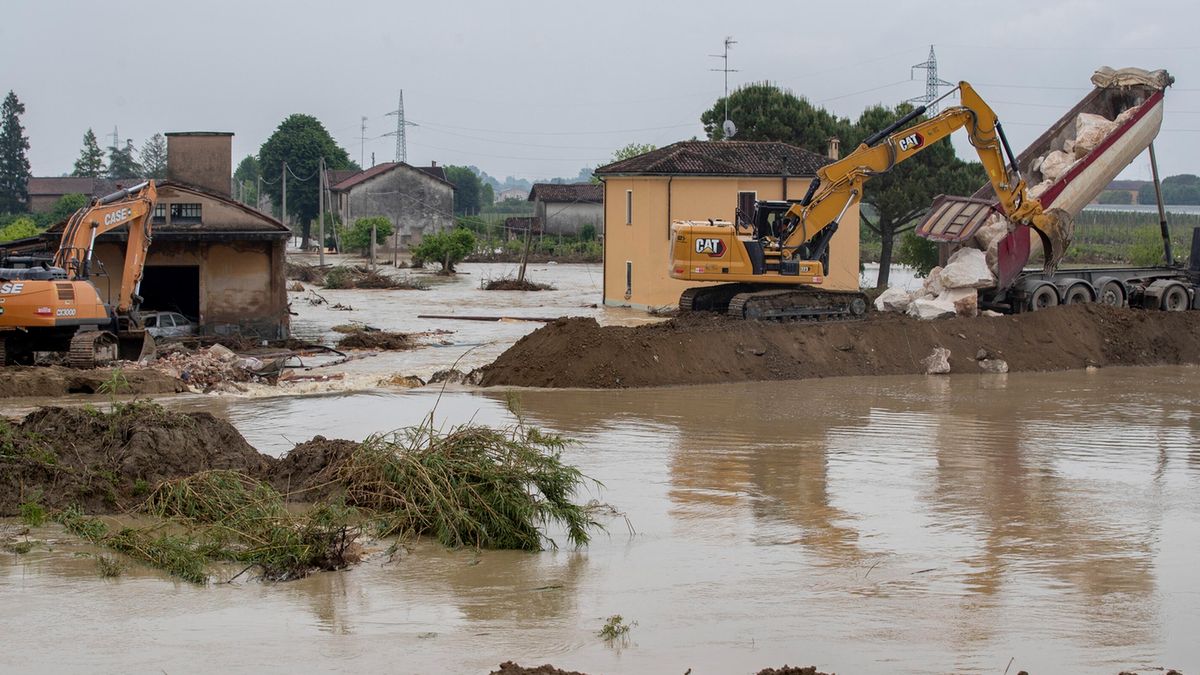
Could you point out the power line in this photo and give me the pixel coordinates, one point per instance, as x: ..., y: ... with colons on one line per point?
x: 932, y: 82
x: 558, y: 133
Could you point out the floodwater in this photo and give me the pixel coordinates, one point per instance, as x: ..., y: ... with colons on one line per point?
x: 965, y: 524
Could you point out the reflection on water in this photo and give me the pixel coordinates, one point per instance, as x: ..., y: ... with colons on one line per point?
x: 899, y: 524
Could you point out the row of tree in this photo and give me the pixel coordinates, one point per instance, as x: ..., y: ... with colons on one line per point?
x: 124, y: 161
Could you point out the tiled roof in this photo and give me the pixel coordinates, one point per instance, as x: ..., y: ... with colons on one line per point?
x: 721, y: 158
x: 354, y: 178
x: 66, y: 185
x: 592, y: 193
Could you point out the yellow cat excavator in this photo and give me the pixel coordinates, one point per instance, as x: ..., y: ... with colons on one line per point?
x: 775, y: 270
x: 55, y: 307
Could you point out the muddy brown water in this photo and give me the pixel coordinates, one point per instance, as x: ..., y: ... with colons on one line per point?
x: 893, y: 524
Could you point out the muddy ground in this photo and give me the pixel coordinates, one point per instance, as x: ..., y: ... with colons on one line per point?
x: 510, y: 668
x: 699, y: 349
x: 59, y: 381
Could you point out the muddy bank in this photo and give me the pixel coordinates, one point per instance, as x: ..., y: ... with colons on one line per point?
x: 510, y: 668
x: 107, y: 463
x: 58, y: 381
x: 701, y: 349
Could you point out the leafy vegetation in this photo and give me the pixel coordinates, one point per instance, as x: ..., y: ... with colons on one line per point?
x: 14, y: 162
x: 358, y: 236
x: 91, y: 160
x: 448, y: 248
x: 614, y: 627
x: 1180, y: 189
x: 122, y: 163
x: 153, y: 157
x: 301, y: 141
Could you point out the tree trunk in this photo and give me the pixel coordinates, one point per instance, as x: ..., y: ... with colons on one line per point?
x: 887, y: 235
x: 305, y: 231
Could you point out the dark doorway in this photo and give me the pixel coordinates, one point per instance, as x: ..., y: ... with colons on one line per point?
x: 172, y: 288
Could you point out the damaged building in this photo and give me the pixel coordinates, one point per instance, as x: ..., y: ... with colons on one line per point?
x: 211, y: 258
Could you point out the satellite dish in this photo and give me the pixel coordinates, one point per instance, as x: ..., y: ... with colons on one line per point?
x: 729, y: 129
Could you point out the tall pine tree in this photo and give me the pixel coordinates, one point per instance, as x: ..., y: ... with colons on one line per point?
x: 154, y: 157
x: 14, y: 165
x: 121, y: 162
x: 91, y: 159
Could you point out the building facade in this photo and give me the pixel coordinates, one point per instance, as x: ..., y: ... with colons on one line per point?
x: 564, y: 208
x: 417, y: 200
x: 700, y: 180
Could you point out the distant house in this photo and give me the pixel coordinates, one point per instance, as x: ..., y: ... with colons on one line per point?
x: 515, y: 227
x: 564, y: 208
x: 416, y: 200
x: 514, y: 193
x: 699, y: 180
x: 45, y: 191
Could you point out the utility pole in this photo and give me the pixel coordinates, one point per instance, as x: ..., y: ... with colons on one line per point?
x: 362, y: 143
x: 729, y: 41
x: 116, y: 138
x: 931, y: 83
x: 321, y: 212
x: 283, y: 208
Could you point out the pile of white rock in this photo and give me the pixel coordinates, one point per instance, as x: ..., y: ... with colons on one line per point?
x: 948, y: 291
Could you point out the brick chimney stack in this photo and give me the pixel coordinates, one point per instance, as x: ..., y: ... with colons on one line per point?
x: 201, y: 158
x: 835, y: 149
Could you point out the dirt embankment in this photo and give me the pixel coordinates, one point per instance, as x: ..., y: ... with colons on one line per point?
x: 106, y: 463
x: 700, y: 349
x: 58, y: 381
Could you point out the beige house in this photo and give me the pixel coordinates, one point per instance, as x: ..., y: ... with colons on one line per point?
x: 213, y: 259
x: 700, y: 180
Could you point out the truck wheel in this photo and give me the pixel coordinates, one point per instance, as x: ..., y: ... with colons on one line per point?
x: 1175, y: 299
x: 1042, y: 297
x: 1112, y: 292
x: 1079, y: 293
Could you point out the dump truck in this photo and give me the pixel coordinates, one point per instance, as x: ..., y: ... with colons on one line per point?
x: 1132, y: 100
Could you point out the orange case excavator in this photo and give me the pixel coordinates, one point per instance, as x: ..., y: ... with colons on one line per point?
x: 56, y: 307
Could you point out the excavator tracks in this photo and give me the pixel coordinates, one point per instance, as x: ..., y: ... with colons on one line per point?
x: 90, y: 349
x: 750, y: 301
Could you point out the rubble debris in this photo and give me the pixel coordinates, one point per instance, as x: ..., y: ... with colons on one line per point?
x: 793, y: 670
x: 215, y: 367
x: 993, y: 365
x: 299, y: 271
x: 965, y: 301
x: 938, y: 362
x: 378, y: 340
x: 405, y: 381
x: 510, y: 668
x: 296, y: 287
x: 513, y: 284
x: 455, y: 376
x: 358, y: 276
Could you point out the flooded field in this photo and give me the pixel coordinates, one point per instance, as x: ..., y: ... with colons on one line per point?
x: 901, y: 524
x: 891, y: 524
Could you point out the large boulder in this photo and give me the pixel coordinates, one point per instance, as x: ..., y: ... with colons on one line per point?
x: 1055, y: 165
x: 894, y: 299
x: 928, y: 309
x: 965, y: 301
x: 938, y: 362
x: 933, y: 283
x: 967, y: 268
x: 1090, y: 130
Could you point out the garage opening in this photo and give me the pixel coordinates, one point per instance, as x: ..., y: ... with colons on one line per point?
x: 172, y: 288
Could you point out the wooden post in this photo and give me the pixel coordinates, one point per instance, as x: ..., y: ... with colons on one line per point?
x: 525, y: 255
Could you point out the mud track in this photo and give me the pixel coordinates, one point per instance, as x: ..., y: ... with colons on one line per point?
x: 698, y: 349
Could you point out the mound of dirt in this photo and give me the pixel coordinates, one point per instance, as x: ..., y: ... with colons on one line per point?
x: 510, y: 668
x: 510, y: 284
x: 309, y: 471
x: 381, y: 340
x: 106, y: 462
x: 58, y: 381
x: 699, y: 349
x: 793, y: 670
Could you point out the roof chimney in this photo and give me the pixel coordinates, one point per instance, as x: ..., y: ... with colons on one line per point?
x: 433, y: 164
x: 201, y: 158
x: 835, y: 149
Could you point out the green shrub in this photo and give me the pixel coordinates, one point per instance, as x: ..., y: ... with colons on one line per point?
x: 447, y: 248
x: 358, y: 236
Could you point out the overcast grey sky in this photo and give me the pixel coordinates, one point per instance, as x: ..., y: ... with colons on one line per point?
x: 540, y: 89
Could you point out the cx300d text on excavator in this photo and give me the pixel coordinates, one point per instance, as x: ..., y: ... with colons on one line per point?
x: 776, y: 270
x: 56, y: 307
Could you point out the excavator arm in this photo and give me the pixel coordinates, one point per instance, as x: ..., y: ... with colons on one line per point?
x: 134, y: 207
x: 839, y: 185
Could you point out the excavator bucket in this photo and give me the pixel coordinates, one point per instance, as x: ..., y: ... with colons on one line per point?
x: 1055, y: 230
x: 136, y: 345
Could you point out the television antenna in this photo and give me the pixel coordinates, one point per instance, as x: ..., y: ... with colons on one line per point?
x: 728, y: 124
